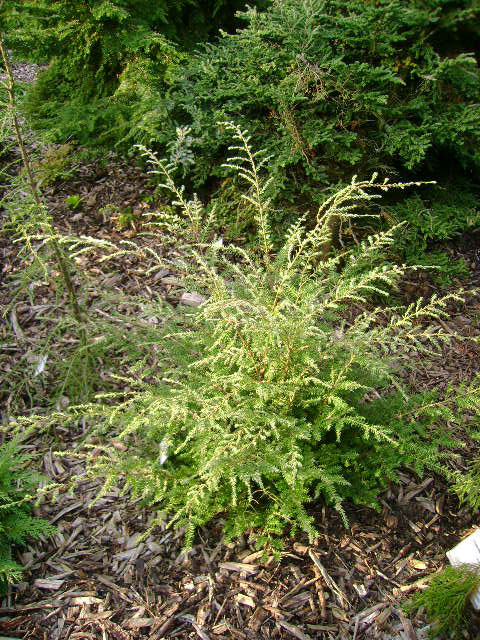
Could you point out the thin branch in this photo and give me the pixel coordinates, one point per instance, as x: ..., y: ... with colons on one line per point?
x: 52, y: 240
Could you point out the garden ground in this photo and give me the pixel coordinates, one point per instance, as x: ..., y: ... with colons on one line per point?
x: 99, y: 578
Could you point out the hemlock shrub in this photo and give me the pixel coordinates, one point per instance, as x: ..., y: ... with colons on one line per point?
x: 467, y: 486
x: 278, y: 388
x: 44, y: 28
x: 107, y: 59
x: 335, y: 87
x: 446, y: 212
x: 328, y: 87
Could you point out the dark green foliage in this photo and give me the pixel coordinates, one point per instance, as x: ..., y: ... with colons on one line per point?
x: 18, y: 485
x: 103, y: 32
x: 63, y: 110
x: 441, y: 265
x: 330, y: 85
x: 327, y: 87
x: 442, y: 213
x: 93, y: 48
x: 331, y: 88
x: 106, y: 49
x: 446, y: 600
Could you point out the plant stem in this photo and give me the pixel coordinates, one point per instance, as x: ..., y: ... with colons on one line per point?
x: 52, y: 240
x: 59, y: 256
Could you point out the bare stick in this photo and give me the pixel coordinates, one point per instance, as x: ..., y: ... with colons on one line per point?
x: 62, y: 264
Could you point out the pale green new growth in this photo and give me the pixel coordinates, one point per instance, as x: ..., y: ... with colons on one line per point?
x: 193, y: 216
x: 245, y: 162
x: 258, y: 403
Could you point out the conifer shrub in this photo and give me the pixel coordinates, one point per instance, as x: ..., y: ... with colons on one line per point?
x: 442, y: 215
x: 328, y: 88
x: 332, y: 88
x: 55, y: 165
x: 18, y: 485
x: 446, y: 600
x: 88, y: 30
x: 107, y: 58
x: 280, y: 387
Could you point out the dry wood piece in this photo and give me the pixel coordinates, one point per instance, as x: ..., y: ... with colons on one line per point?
x: 139, y: 623
x: 300, y: 548
x: 295, y: 631
x: 328, y: 580
x: 192, y: 299
x: 48, y: 583
x: 241, y: 598
x: 200, y: 633
x: 257, y: 619
x: 321, y: 598
x: 407, y: 626
x: 382, y: 618
x: 239, y: 566
x: 251, y: 557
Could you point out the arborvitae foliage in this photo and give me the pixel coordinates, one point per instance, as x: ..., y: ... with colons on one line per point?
x: 329, y: 85
x: 278, y: 388
x: 446, y: 600
x: 18, y: 485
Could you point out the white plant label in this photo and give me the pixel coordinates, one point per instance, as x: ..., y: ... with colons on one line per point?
x: 468, y: 552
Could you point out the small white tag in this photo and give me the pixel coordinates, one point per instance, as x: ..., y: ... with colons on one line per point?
x: 163, y: 451
x: 467, y: 552
x: 40, y: 366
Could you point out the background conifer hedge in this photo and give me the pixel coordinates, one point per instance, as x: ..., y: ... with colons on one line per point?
x: 328, y: 87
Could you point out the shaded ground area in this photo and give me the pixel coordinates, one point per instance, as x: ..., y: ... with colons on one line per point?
x: 100, y: 579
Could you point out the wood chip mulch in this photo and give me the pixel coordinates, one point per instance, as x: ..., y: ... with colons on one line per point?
x: 99, y: 578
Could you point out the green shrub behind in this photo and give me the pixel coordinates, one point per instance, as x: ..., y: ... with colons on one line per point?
x: 440, y: 216
x: 102, y: 32
x: 325, y: 86
x: 332, y: 88
x: 107, y: 58
x: 328, y: 87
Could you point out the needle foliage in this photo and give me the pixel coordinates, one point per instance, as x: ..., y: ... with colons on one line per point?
x: 328, y: 87
x: 280, y: 387
x: 107, y: 59
x: 445, y: 600
x: 18, y: 485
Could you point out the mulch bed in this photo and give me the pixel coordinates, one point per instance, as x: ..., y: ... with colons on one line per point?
x: 98, y: 578
x: 106, y: 575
